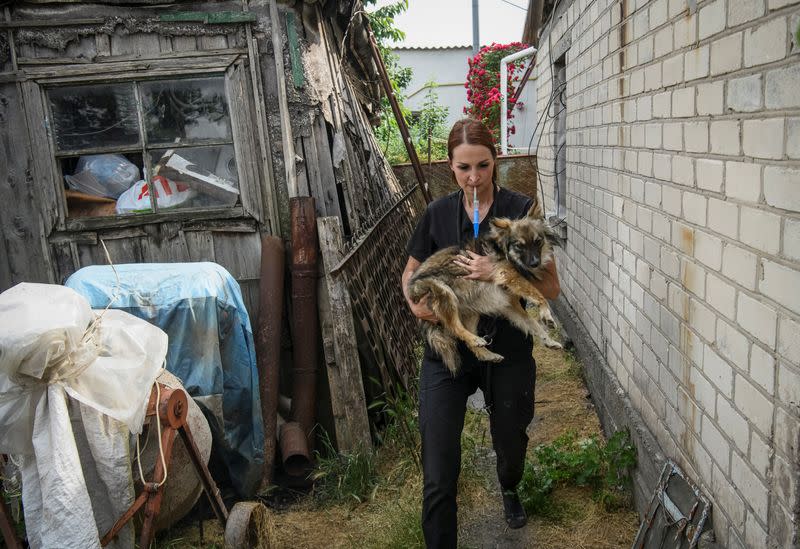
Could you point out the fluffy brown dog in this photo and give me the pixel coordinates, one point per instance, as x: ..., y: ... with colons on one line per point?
x: 520, y: 249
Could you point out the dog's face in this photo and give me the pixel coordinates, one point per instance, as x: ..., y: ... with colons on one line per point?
x: 526, y: 243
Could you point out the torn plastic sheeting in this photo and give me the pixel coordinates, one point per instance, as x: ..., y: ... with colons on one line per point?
x: 211, y: 349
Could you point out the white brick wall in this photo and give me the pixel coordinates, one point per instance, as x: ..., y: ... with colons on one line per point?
x: 683, y: 251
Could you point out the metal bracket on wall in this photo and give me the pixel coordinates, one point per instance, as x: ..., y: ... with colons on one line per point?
x: 676, y: 515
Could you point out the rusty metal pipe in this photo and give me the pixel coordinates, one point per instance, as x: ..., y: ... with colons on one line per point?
x: 268, y: 345
x: 294, y: 449
x: 305, y: 324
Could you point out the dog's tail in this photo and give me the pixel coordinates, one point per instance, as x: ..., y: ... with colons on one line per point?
x: 445, y: 346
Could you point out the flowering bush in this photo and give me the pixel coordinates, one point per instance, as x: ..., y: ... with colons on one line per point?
x: 483, y: 85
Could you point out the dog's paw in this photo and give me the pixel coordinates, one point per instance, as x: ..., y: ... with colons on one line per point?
x: 546, y: 316
x: 552, y: 344
x: 478, y: 341
x: 487, y: 356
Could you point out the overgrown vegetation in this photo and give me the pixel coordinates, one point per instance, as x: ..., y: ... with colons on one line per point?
x: 603, y: 467
x: 344, y: 477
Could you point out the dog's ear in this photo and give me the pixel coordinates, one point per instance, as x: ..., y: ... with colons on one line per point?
x: 500, y: 223
x: 536, y: 210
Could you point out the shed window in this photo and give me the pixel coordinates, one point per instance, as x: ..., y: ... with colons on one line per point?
x: 144, y: 146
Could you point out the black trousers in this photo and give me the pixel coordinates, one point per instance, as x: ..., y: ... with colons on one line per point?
x: 509, y: 391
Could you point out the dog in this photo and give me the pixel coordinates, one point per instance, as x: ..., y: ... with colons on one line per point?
x: 520, y: 250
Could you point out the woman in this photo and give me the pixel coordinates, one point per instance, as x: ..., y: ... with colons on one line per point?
x: 508, y: 386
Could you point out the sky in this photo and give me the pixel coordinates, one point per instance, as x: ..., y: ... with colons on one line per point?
x: 449, y: 22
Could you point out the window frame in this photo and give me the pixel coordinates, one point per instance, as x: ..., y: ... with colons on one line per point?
x: 233, y: 68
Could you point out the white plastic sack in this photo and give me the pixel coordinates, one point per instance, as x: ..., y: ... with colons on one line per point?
x: 52, y: 345
x: 169, y: 194
x: 103, y: 175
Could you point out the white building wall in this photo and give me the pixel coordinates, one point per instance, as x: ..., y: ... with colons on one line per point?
x: 682, y: 257
x: 448, y: 68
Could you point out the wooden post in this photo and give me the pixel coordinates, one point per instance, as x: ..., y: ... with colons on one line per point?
x: 344, y: 369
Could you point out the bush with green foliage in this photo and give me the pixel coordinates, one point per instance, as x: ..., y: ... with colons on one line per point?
x: 605, y: 468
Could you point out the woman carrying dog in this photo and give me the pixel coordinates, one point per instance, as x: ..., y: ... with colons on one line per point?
x: 508, y: 386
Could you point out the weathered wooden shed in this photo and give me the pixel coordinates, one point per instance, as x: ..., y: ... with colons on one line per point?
x: 258, y: 100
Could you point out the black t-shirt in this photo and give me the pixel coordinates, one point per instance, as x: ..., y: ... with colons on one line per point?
x: 446, y: 223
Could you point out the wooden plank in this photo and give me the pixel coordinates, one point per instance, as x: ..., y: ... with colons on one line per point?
x: 250, y: 297
x: 212, y: 42
x: 239, y: 253
x: 330, y: 195
x: 222, y: 226
x: 283, y: 103
x: 165, y: 43
x: 166, y: 244
x: 200, y: 245
x: 184, y: 43
x: 55, y: 22
x: 92, y: 223
x: 298, y: 79
x: 139, y: 44
x: 302, y: 175
x: 102, y: 43
x: 245, y: 137
x: 344, y: 375
x: 155, y: 66
x: 64, y: 262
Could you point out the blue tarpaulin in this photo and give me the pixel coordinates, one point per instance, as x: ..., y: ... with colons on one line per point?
x: 211, y: 349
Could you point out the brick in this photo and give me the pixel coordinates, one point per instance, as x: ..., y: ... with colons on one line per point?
x: 755, y: 535
x: 791, y: 238
x: 788, y: 385
x: 694, y: 208
x: 676, y: 7
x: 782, y: 187
x: 658, y: 13
x: 757, y: 318
x: 685, y: 31
x: 723, y: 217
x: 683, y: 237
x: 694, y: 280
x: 725, y: 137
x: 781, y: 91
x: 708, y: 249
x: 646, y: 49
x: 683, y: 102
x: 759, y: 454
x: 726, y: 54
x: 716, y: 444
x: 744, y: 94
x: 695, y: 135
x: 753, y: 404
x: 637, y: 82
x: 743, y: 181
x: 763, y: 138
x: 793, y: 137
x: 653, y: 136
x: 670, y: 262
x: 742, y: 11
x: 702, y: 319
x: 732, y: 344
x: 652, y: 77
x: 739, y: 265
x: 718, y: 371
x: 662, y: 166
x: 781, y: 284
x: 721, y: 296
x: 672, y: 70
x: 673, y: 136
x: 709, y: 174
x: 652, y: 194
x: 662, y: 105
x: 777, y: 4
x: 712, y: 19
x: 683, y: 171
x: 762, y: 369
x: 671, y: 200
x: 663, y: 42
x: 709, y: 98
x: 760, y: 229
x: 765, y: 43
x: 644, y: 107
x: 696, y: 63
x: 732, y: 422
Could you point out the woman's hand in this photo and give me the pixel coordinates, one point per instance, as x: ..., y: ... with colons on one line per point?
x: 421, y: 310
x: 480, y: 267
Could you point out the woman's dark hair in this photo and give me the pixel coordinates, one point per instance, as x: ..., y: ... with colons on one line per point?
x: 471, y: 132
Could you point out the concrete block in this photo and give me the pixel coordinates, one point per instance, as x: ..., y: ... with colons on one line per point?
x: 739, y: 265
x: 723, y: 217
x: 715, y: 443
x: 673, y: 136
x: 696, y: 63
x: 793, y: 138
x: 781, y: 283
x: 760, y: 229
x: 702, y: 319
x: 662, y: 105
x: 652, y: 77
x: 685, y: 31
x: 662, y: 166
x: 782, y: 90
x: 694, y: 207
x: 743, y: 181
x: 742, y: 11
x: 726, y: 54
x: 712, y: 19
x: 658, y: 13
x: 653, y: 136
x: 766, y: 43
x: 662, y: 44
x: 732, y: 344
x: 644, y: 108
x: 791, y: 238
x: 733, y: 424
x: 744, y: 94
x: 758, y: 319
x: 710, y: 98
x: 762, y: 369
x: 683, y: 102
x: 672, y: 70
x: 725, y: 137
x: 718, y: 372
x: 683, y: 237
x: 789, y: 384
x: 695, y: 136
x: 763, y: 138
x: 781, y: 188
x: 708, y: 249
x: 694, y: 279
x: 756, y: 407
x: 722, y: 296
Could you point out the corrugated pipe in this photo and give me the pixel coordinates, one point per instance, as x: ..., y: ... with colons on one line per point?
x: 268, y: 344
x: 305, y: 325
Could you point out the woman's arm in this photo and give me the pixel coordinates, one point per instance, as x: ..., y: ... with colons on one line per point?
x: 420, y: 310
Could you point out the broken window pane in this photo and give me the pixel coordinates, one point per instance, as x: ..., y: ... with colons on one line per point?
x: 86, y: 117
x: 190, y: 110
x: 196, y: 177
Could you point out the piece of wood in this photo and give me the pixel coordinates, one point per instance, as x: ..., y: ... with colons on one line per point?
x: 321, y: 151
x: 102, y: 43
x: 138, y: 44
x: 222, y: 226
x: 239, y: 253
x: 294, y: 51
x: 302, y: 174
x: 283, y: 103
x: 91, y: 223
x: 200, y: 245
x: 155, y: 66
x: 350, y: 409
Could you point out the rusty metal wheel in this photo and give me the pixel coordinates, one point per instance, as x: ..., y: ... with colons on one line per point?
x: 249, y: 526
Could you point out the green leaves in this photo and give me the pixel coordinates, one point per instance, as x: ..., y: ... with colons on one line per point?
x: 605, y: 468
